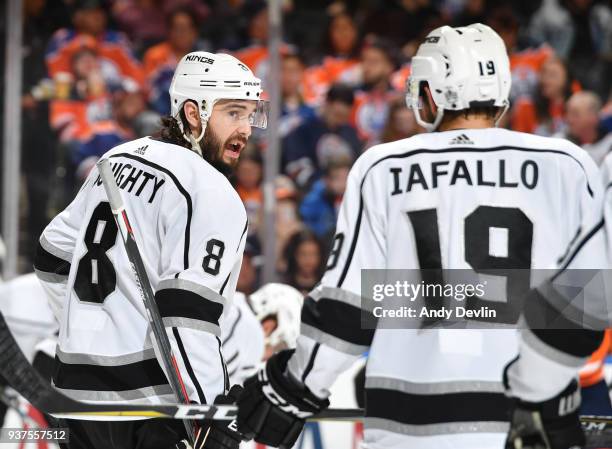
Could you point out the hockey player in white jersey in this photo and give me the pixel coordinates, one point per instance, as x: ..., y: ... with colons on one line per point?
x: 190, y: 226
x: 257, y: 326
x: 578, y: 299
x: 464, y: 196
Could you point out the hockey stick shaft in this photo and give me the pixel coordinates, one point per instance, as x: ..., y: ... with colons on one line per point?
x: 144, y: 287
x: 20, y: 375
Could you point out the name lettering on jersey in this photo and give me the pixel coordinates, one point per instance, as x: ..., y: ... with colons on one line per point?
x: 473, y: 173
x: 134, y: 180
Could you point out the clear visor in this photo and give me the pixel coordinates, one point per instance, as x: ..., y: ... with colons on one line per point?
x: 237, y: 112
x: 413, y: 97
x: 259, y: 118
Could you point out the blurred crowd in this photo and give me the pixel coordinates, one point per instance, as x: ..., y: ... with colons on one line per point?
x: 96, y: 73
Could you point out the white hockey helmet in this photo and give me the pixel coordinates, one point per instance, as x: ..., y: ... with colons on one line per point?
x: 284, y: 303
x: 464, y: 67
x: 207, y: 78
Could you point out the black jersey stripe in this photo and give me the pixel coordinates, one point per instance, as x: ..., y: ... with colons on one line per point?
x: 180, y: 188
x: 418, y: 151
x: 338, y: 319
x: 566, y: 336
x: 188, y: 366
x: 131, y: 376
x: 48, y: 263
x: 174, y: 302
x: 423, y: 409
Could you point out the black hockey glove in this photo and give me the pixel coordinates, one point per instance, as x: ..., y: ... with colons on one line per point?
x: 217, y: 434
x: 552, y: 424
x: 273, y: 407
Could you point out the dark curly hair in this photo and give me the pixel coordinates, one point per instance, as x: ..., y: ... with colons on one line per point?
x: 171, y: 132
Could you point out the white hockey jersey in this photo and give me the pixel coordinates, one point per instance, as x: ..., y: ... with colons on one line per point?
x: 467, y: 199
x: 548, y: 361
x: 243, y: 340
x: 190, y: 227
x: 28, y: 314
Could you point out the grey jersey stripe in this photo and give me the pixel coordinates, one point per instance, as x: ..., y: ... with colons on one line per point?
x: 428, y: 388
x: 161, y: 393
x: 436, y: 429
x: 189, y: 323
x: 52, y: 278
x: 50, y: 248
x: 75, y: 358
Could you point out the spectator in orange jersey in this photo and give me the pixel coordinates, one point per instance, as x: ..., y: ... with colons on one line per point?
x: 340, y: 63
x: 80, y: 98
x: 544, y: 114
x: 595, y: 395
x: 161, y: 60
x: 369, y: 115
x: 89, y: 20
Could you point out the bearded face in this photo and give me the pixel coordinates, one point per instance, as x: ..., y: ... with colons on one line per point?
x: 227, y: 133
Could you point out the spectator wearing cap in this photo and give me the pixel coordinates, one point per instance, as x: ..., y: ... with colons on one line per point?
x: 161, y: 60
x: 319, y: 208
x: 584, y: 126
x: 369, y: 114
x: 307, y: 150
x: 294, y: 110
x: 113, y: 49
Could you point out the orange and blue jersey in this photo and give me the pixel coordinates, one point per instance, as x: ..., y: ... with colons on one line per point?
x: 73, y: 118
x: 112, y: 47
x: 319, y: 78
